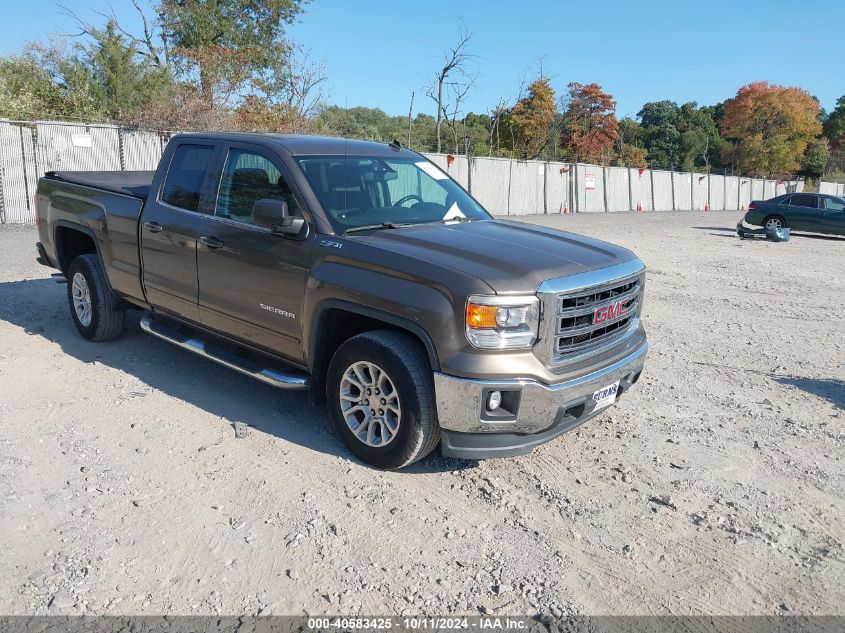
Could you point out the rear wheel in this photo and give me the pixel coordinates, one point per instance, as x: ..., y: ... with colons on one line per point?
x: 92, y: 307
x: 381, y: 397
x: 774, y: 222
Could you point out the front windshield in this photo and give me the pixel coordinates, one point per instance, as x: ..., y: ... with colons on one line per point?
x: 357, y: 191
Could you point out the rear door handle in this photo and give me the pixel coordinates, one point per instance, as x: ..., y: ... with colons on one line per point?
x: 212, y: 242
x: 153, y: 227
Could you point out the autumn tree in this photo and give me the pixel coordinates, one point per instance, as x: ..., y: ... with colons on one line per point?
x: 590, y: 126
x: 770, y: 128
x: 532, y: 119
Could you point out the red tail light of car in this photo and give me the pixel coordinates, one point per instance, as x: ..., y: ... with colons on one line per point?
x: 752, y: 206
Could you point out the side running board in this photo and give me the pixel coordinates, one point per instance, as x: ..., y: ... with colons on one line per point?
x: 255, y: 365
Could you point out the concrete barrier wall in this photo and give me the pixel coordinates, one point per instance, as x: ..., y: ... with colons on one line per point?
x: 503, y: 186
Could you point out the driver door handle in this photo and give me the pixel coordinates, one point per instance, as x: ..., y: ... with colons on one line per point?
x: 153, y: 227
x: 212, y: 242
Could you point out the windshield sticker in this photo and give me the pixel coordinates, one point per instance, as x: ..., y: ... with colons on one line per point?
x: 454, y: 213
x: 431, y: 170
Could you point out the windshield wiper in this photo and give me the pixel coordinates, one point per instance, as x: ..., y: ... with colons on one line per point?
x: 382, y: 225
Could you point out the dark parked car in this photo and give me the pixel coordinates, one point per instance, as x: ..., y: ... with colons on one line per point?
x: 815, y: 212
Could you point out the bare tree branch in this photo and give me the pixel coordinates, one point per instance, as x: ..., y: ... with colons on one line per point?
x: 456, y: 60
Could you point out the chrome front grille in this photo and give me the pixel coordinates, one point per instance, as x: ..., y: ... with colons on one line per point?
x: 595, y: 317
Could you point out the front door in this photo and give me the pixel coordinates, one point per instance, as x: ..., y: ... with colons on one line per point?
x: 251, y: 281
x: 169, y: 230
x: 834, y: 215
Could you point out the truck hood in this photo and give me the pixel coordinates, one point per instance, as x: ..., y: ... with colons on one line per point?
x: 508, y: 256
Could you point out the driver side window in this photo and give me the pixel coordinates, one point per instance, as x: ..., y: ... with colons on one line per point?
x: 247, y: 178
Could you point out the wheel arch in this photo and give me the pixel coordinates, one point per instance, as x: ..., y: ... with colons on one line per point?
x: 336, y: 321
x: 72, y: 240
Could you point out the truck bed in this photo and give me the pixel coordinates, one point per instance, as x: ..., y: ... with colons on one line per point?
x: 129, y: 183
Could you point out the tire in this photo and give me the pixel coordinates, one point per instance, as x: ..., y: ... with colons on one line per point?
x: 401, y: 358
x: 103, y: 319
x: 774, y: 219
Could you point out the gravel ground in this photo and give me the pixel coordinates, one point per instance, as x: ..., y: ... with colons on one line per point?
x: 715, y: 487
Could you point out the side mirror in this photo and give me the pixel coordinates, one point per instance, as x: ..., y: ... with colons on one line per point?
x: 273, y: 214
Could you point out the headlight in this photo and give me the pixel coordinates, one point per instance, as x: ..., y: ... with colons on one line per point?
x: 502, y: 322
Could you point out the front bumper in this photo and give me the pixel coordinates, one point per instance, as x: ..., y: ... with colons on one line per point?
x: 542, y: 411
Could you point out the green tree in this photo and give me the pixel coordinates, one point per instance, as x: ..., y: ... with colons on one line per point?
x: 816, y: 158
x: 222, y: 43
x: 660, y: 121
x: 125, y: 81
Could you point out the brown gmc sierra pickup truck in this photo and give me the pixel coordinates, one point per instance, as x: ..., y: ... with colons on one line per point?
x: 359, y: 271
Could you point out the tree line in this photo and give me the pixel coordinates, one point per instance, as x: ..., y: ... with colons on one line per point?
x: 229, y: 65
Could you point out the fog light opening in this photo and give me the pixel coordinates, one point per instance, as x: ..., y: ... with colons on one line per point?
x: 494, y: 400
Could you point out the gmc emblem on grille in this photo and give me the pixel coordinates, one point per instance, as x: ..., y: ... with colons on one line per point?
x: 610, y: 312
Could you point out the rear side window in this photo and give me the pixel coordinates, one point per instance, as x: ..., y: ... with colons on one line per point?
x: 183, y: 183
x: 832, y: 204
x: 803, y: 200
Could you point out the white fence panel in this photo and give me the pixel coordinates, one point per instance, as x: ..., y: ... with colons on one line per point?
x: 717, y: 193
x: 590, y: 186
x: 757, y: 192
x: 744, y: 193
x: 700, y: 192
x: 682, y: 184
x: 490, y: 178
x: 828, y: 187
x: 640, y: 189
x: 731, y: 193
x: 458, y: 170
x: 65, y: 147
x: 618, y: 189
x: 769, y: 189
x: 557, y: 188
x: 14, y: 169
x: 526, y: 190
x: 662, y: 185
x: 141, y: 149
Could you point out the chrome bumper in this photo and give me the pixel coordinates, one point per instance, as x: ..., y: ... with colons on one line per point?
x: 460, y: 406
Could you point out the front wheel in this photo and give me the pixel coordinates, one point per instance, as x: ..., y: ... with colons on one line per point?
x: 774, y: 222
x: 380, y: 392
x: 92, y: 306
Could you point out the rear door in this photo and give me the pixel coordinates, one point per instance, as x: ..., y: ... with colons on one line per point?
x: 251, y: 281
x: 170, y: 227
x: 803, y: 212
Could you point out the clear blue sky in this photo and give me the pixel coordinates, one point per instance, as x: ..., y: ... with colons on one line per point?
x: 378, y: 51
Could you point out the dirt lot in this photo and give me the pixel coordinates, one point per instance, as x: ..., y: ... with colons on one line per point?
x: 715, y: 487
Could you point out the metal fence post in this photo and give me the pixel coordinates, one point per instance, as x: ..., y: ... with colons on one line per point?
x: 672, y: 186
x: 510, y: 180
x: 604, y: 186
x: 2, y: 202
